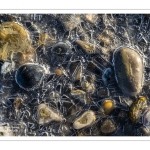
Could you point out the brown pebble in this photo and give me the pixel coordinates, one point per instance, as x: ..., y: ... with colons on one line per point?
x: 58, y: 71
x: 87, y: 47
x: 108, y: 126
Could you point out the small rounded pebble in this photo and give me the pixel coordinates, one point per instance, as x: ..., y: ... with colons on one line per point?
x: 86, y: 47
x: 108, y: 106
x: 58, y: 71
x: 46, y: 114
x: 108, y: 126
x: 85, y: 120
x: 29, y: 76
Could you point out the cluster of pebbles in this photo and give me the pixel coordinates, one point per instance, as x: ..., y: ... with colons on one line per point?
x: 74, y: 75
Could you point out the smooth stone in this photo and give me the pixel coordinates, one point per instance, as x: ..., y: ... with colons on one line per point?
x: 129, y: 68
x: 29, y: 76
x: 108, y: 126
x: 108, y: 106
x: 85, y: 120
x: 58, y: 71
x: 46, y: 114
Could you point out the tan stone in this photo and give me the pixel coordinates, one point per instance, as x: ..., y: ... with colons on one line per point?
x: 85, y: 120
x: 46, y: 114
x: 87, y: 47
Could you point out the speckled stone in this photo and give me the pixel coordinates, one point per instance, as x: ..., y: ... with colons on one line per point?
x: 108, y: 126
x: 137, y: 108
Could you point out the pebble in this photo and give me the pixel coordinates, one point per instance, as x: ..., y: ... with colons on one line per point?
x: 46, y: 114
x: 85, y: 120
x: 58, y: 71
x: 137, y: 108
x: 29, y: 76
x: 86, y: 47
x: 14, y: 38
x: 108, y: 126
x: 129, y: 68
x: 108, y: 106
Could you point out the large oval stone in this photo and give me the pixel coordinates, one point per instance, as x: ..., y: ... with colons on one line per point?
x: 129, y: 67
